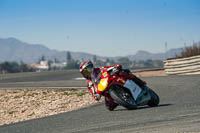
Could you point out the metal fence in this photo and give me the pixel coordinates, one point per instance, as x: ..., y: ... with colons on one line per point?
x: 183, y: 66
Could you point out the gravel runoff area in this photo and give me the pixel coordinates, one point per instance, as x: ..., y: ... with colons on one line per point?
x: 25, y: 104
x: 19, y: 105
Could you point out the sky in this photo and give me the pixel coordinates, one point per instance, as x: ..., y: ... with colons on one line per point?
x: 102, y: 27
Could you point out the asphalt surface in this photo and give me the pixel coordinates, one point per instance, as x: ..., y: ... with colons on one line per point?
x: 40, y: 76
x: 42, y: 79
x: 178, y: 112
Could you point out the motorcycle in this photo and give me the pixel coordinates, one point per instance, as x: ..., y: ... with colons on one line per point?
x: 124, y: 91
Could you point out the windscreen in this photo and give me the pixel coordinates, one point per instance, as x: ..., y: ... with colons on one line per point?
x: 96, y: 76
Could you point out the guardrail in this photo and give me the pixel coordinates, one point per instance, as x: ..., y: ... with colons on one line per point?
x: 183, y: 66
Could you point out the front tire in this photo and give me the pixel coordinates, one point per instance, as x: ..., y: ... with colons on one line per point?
x: 154, y: 101
x: 122, y: 96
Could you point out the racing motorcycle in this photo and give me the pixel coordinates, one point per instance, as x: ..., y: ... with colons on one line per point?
x: 124, y: 91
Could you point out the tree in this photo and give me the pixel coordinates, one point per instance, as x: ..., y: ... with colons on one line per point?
x: 14, y: 67
x: 69, y: 57
x: 189, y: 51
x: 49, y: 64
x: 10, y: 67
x: 23, y: 67
x: 43, y: 58
x: 94, y: 58
x: 56, y: 60
x: 1, y: 68
x: 72, y: 65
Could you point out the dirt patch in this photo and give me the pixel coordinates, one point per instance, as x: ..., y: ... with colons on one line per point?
x: 150, y: 73
x: 20, y: 105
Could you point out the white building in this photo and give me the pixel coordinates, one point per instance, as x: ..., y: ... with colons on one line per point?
x: 42, y: 66
x: 58, y: 66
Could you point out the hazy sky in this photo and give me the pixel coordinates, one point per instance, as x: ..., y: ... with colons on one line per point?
x: 102, y: 27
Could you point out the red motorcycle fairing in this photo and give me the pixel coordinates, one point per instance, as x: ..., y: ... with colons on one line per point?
x: 106, y: 80
x: 112, y: 87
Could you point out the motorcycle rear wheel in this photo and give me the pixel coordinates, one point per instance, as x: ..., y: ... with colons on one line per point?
x: 154, y: 99
x: 122, y: 96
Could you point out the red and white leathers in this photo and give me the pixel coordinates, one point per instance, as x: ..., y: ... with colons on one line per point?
x: 98, y: 72
x: 98, y: 75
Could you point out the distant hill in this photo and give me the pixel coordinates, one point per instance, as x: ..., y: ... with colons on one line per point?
x: 144, y: 55
x: 12, y: 49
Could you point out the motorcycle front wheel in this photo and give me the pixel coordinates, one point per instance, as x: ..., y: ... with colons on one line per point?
x: 122, y: 96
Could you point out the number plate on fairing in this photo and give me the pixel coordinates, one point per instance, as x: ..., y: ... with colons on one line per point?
x: 133, y: 87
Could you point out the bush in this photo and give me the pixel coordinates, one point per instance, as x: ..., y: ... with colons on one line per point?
x: 190, y: 51
x: 14, y: 67
x: 80, y: 94
x: 72, y: 65
x: 10, y: 67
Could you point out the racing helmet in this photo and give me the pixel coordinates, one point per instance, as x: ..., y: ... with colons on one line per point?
x: 86, y: 69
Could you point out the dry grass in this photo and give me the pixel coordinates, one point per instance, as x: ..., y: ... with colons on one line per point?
x: 190, y: 51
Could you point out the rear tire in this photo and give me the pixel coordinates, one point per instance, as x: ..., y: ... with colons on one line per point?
x: 122, y: 96
x: 154, y: 99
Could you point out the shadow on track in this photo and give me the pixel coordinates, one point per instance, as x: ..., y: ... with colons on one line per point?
x: 144, y: 107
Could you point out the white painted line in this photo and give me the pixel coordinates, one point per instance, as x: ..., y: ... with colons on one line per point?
x: 80, y: 78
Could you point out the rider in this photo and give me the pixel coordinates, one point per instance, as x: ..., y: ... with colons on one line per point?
x: 88, y: 71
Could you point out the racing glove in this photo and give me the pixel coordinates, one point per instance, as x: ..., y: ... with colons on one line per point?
x: 97, y: 97
x: 115, y: 70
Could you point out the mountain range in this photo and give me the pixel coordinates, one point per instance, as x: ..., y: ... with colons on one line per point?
x: 12, y: 49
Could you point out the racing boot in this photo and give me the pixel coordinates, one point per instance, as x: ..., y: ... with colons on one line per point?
x: 110, y: 104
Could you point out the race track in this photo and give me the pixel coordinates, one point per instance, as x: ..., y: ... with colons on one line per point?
x: 57, y: 79
x: 179, y: 112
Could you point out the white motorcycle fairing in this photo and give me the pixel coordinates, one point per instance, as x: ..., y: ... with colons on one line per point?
x: 134, y: 88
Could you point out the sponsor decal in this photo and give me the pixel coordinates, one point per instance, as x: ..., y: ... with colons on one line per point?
x: 122, y: 80
x: 102, y: 85
x: 105, y: 74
